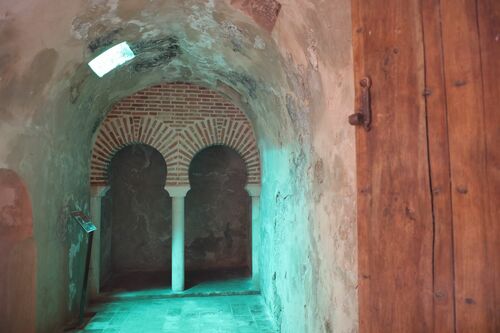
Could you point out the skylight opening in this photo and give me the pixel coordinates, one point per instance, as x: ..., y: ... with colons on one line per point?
x: 111, y: 58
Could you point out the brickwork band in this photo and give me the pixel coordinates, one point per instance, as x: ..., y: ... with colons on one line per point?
x: 178, y: 120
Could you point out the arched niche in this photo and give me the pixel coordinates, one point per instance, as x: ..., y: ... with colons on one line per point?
x: 136, y: 224
x: 18, y: 256
x: 218, y: 216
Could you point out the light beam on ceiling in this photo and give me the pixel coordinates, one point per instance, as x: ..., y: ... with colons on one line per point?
x: 111, y: 58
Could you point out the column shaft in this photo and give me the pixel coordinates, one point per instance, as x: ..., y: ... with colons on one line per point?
x: 255, y: 240
x: 178, y: 243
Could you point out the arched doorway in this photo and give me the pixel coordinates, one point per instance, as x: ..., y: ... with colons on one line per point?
x: 218, y: 217
x: 136, y: 224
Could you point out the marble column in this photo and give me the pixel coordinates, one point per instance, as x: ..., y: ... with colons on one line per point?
x: 178, y: 195
x: 96, y: 195
x: 254, y: 192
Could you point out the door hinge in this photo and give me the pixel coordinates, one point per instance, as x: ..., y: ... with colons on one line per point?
x: 364, y: 116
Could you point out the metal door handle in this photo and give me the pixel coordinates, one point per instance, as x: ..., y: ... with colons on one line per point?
x: 364, y: 116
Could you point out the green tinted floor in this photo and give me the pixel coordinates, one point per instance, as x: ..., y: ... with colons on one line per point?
x: 221, y: 314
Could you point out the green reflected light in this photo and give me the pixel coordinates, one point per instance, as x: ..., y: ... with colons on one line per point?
x: 112, y: 58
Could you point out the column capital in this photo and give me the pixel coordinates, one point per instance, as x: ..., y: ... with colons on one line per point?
x: 253, y: 189
x: 98, y: 190
x: 177, y: 190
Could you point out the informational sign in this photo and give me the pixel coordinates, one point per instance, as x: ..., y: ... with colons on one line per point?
x: 88, y: 227
x: 84, y: 221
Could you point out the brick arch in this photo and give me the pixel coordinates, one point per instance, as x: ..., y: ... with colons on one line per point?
x: 118, y: 133
x: 234, y: 134
x: 178, y: 120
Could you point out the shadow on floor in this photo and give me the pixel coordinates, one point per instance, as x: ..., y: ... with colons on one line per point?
x: 137, y: 285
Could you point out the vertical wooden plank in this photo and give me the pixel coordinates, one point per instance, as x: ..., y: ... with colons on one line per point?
x: 439, y: 165
x: 489, y: 37
x: 394, y: 204
x: 464, y: 90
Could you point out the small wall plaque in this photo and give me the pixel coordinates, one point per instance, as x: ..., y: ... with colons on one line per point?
x: 84, y: 221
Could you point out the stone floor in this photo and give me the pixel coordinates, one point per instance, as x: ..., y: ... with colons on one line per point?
x: 214, y: 314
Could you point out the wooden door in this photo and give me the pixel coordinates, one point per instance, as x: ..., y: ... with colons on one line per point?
x: 429, y: 168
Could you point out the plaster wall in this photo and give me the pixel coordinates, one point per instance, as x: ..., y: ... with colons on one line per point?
x: 315, y: 39
x: 294, y: 84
